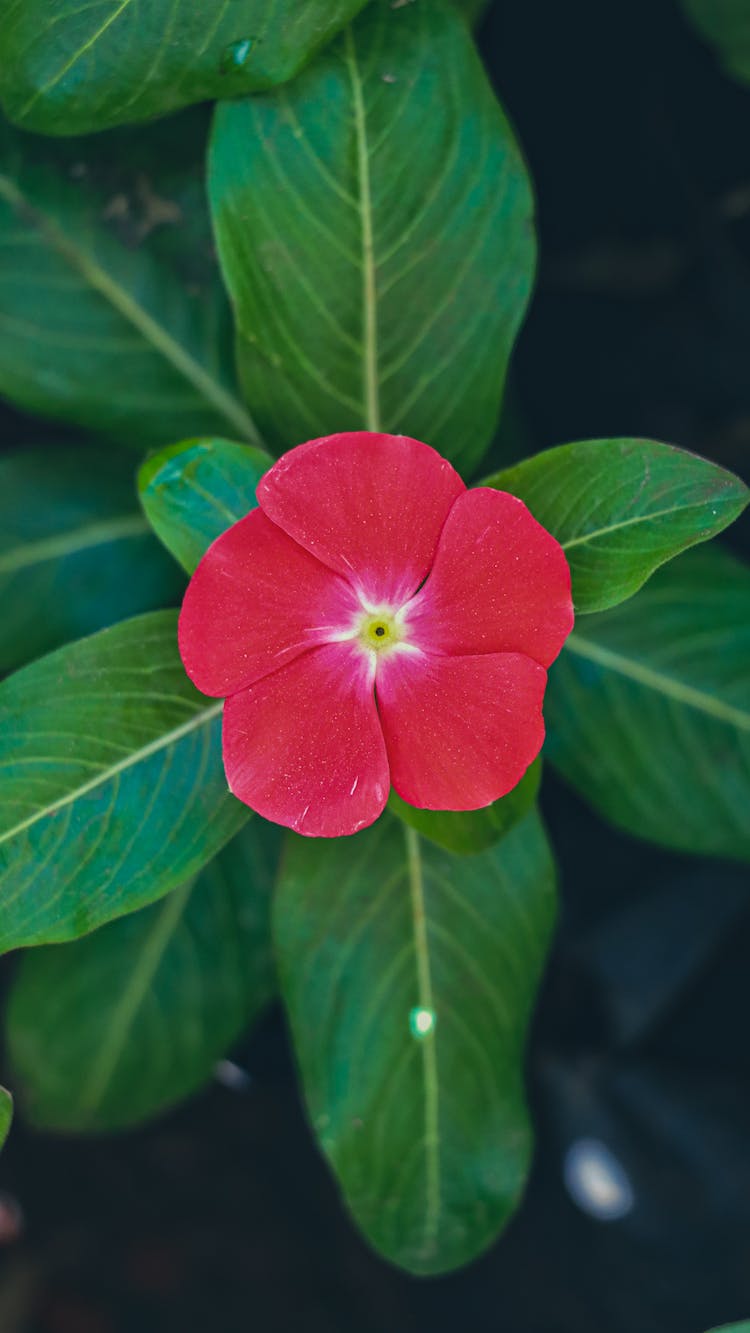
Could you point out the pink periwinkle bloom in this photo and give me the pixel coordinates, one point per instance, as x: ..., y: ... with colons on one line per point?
x: 375, y: 623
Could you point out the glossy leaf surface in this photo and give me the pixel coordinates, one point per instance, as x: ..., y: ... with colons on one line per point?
x: 372, y: 288
x: 621, y: 508
x: 97, y: 327
x: 110, y: 1030
x: 726, y: 25
x: 648, y: 708
x: 112, y: 790
x: 469, y: 831
x: 191, y: 492
x: 76, y: 553
x: 73, y: 68
x: 409, y: 977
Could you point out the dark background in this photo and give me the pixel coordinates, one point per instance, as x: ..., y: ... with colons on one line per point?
x: 221, y: 1217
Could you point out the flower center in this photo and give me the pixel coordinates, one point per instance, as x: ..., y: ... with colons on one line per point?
x: 380, y: 629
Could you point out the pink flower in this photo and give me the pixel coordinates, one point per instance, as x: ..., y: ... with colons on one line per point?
x: 375, y: 623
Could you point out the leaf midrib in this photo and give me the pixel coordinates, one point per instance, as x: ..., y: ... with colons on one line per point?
x: 132, y: 998
x: 663, y: 684
x: 106, y: 775
x: 65, y: 69
x: 596, y: 533
x: 426, y: 1042
x: 69, y: 543
x: 364, y: 203
x: 154, y: 333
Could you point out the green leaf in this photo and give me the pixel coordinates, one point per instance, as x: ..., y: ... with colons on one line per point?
x: 726, y: 25
x: 73, y: 69
x: 409, y: 978
x: 112, y: 790
x: 110, y: 1030
x: 376, y: 287
x: 96, y: 327
x: 744, y: 1327
x: 75, y: 552
x: 6, y: 1114
x: 621, y: 508
x: 648, y: 708
x: 191, y: 492
x: 472, y: 831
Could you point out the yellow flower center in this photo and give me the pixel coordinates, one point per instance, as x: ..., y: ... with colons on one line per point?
x: 380, y: 630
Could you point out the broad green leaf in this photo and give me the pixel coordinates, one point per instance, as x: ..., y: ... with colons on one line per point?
x: 191, y: 492
x: 375, y: 286
x: 76, y: 554
x: 472, y: 831
x: 6, y: 1114
x: 112, y: 790
x: 648, y: 708
x: 71, y: 69
x: 726, y: 25
x: 409, y: 977
x: 110, y: 1030
x: 621, y: 508
x: 96, y: 327
x: 733, y: 1328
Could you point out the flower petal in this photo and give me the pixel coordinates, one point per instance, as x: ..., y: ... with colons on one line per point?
x: 304, y: 747
x: 256, y: 601
x: 500, y: 583
x: 460, y: 731
x: 370, y: 506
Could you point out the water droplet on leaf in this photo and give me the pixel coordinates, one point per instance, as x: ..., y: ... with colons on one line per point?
x: 421, y: 1023
x: 235, y: 55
